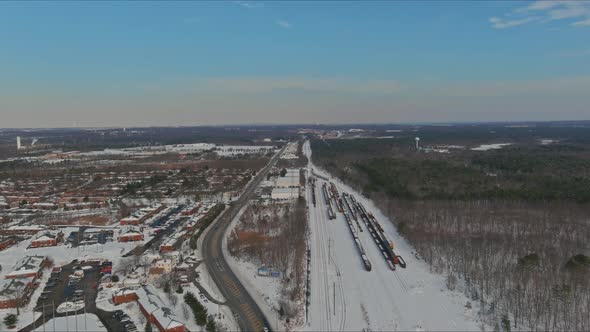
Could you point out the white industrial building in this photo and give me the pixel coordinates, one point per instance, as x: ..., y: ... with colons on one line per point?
x: 286, y: 187
x: 284, y: 193
x: 287, y: 181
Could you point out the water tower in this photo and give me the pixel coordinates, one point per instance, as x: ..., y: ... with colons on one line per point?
x: 417, y: 139
x: 18, y: 145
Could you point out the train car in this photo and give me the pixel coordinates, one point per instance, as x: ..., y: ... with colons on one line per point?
x: 400, y: 261
x: 367, y: 263
x: 331, y: 214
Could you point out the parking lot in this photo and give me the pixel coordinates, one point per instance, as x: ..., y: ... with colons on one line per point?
x: 116, y: 321
x: 76, y: 283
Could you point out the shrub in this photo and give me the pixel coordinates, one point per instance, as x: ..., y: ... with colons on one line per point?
x: 10, y: 320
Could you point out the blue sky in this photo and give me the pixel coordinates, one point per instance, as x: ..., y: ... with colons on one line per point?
x: 170, y: 63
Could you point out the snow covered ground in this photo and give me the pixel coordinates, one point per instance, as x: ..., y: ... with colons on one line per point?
x: 265, y: 291
x: 486, y: 147
x: 69, y: 307
x: 548, y: 141
x: 346, y: 297
x: 84, y: 322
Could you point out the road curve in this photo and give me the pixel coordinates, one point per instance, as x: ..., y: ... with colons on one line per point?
x: 248, y: 314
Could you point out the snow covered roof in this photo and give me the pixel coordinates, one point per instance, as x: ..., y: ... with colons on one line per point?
x: 130, y: 229
x: 25, y: 228
x: 44, y: 238
x: 124, y: 291
x: 10, y: 289
x: 152, y: 304
x: 26, y: 265
x: 287, y: 181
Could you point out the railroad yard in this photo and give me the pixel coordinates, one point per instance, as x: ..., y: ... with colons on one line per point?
x: 363, y: 275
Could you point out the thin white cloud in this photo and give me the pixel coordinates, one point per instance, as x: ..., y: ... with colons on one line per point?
x: 283, y: 24
x: 583, y: 23
x: 501, y: 23
x: 542, y: 5
x: 545, y: 11
x: 249, y: 4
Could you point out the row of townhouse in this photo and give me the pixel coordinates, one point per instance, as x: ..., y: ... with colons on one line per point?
x: 18, y: 285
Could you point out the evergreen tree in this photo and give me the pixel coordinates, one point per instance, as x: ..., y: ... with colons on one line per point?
x: 211, y: 325
x: 10, y: 320
x: 506, y: 324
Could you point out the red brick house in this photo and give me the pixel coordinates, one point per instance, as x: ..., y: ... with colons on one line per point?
x: 29, y: 266
x: 166, y: 247
x: 124, y: 296
x: 157, y: 312
x: 47, y: 239
x: 131, y: 220
x: 130, y: 233
x: 16, y: 292
x: 7, y: 243
x: 21, y: 230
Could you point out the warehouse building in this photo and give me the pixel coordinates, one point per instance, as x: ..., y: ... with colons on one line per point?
x: 284, y: 193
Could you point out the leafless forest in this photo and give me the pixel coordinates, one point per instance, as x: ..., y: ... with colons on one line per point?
x: 511, y: 257
x: 273, y: 235
x: 524, y: 259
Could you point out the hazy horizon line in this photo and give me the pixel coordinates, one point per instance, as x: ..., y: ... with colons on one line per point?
x: 334, y: 124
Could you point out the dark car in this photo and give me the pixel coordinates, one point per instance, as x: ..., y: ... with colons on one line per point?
x: 118, y: 314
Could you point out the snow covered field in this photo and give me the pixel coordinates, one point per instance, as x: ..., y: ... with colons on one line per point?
x: 346, y: 297
x: 486, y: 147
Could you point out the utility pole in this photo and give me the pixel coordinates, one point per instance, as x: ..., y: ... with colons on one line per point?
x: 43, y: 317
x: 334, y: 292
x: 53, y: 313
x: 85, y: 325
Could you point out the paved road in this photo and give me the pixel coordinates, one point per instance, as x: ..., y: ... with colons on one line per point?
x: 248, y: 314
x: 192, y: 276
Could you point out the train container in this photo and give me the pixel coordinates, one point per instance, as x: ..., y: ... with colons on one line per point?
x: 357, y: 242
x: 366, y: 262
x: 391, y: 265
x: 400, y: 261
x: 326, y: 195
x: 331, y: 214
